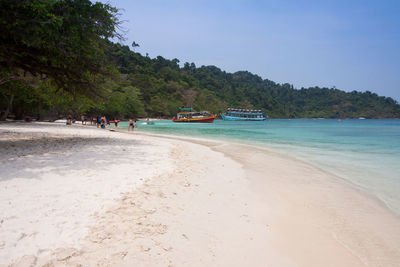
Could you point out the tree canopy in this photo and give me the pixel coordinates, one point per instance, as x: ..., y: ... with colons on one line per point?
x: 63, y: 40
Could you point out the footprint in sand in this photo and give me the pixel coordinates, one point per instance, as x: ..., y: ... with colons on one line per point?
x: 185, y: 236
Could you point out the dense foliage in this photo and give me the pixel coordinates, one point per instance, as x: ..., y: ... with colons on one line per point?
x: 57, y: 41
x: 164, y: 86
x: 55, y: 59
x: 60, y: 39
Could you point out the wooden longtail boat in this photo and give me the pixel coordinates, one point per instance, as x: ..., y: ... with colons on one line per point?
x: 188, y: 115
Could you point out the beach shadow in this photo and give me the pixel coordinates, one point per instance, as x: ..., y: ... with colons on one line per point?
x: 30, y: 158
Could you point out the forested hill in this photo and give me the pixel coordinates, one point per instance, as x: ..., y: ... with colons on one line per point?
x: 56, y: 59
x: 157, y: 87
x: 164, y: 86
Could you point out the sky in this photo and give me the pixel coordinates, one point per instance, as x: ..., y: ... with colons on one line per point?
x: 350, y: 45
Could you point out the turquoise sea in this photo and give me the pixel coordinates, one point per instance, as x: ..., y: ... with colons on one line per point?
x: 365, y: 152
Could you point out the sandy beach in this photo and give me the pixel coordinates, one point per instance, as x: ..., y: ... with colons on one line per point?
x: 82, y: 196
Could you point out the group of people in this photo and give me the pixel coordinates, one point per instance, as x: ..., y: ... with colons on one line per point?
x: 132, y: 125
x: 102, y: 122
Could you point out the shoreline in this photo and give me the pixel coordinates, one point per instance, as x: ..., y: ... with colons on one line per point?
x: 346, y: 182
x: 236, y: 204
x: 335, y: 204
x: 353, y: 191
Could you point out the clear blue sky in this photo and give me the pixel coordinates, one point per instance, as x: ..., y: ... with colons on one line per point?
x: 352, y: 45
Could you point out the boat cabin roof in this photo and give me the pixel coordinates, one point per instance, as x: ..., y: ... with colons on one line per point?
x: 194, y: 112
x: 244, y: 110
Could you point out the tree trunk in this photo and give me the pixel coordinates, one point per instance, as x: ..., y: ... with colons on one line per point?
x: 39, y: 114
x: 7, y: 111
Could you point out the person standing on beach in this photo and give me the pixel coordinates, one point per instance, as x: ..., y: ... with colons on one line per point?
x: 103, y: 123
x: 131, y: 124
x: 98, y: 121
x: 69, y: 120
x: 83, y: 119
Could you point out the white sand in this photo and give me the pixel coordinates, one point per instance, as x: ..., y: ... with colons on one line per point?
x: 55, y: 180
x: 81, y: 200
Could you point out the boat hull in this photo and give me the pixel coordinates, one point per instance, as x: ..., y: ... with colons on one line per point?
x: 209, y: 119
x: 234, y: 118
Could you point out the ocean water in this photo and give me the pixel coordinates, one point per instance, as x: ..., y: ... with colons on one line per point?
x: 363, y: 152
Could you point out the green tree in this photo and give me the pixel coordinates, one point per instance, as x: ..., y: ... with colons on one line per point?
x: 59, y: 39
